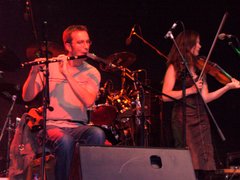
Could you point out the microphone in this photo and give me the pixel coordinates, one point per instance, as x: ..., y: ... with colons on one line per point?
x: 99, y: 59
x: 14, y: 98
x: 129, y: 39
x: 224, y: 36
x: 1, y: 74
x: 138, y: 70
x: 230, y: 37
x: 27, y: 11
x: 169, y: 33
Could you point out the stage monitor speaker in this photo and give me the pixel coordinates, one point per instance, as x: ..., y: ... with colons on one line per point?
x: 125, y: 163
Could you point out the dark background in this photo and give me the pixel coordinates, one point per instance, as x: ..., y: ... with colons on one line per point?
x: 110, y: 23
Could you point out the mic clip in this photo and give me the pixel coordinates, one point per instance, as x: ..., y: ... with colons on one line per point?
x: 129, y: 39
x: 169, y: 33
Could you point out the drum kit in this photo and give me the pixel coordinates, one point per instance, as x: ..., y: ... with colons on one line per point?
x: 121, y: 110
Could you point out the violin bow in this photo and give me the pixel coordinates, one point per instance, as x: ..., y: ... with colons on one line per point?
x: 200, y: 77
x: 213, y: 44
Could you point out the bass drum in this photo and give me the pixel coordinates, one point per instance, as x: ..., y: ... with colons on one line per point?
x: 103, y: 114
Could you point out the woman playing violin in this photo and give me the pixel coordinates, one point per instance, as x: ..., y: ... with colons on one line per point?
x: 198, y: 134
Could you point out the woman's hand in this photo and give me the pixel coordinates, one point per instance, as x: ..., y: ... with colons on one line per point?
x: 199, y: 84
x: 235, y: 84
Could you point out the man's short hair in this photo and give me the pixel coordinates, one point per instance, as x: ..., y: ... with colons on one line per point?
x: 67, y: 38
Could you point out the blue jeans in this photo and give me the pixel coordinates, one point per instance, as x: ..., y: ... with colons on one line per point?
x: 63, y: 140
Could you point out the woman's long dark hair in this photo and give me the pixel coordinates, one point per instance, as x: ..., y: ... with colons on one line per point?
x: 186, y: 40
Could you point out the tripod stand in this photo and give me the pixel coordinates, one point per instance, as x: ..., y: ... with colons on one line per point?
x: 8, y: 125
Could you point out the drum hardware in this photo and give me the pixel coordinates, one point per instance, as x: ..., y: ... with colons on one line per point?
x: 119, y: 59
x: 134, y: 129
x: 126, y: 132
x: 106, y: 90
x: 115, y: 62
x: 111, y: 132
x: 120, y: 100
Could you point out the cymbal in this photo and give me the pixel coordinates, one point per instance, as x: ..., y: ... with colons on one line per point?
x: 36, y: 50
x: 8, y: 90
x: 5, y: 86
x: 123, y: 59
x: 8, y: 59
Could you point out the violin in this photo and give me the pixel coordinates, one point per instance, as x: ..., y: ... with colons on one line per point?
x: 214, y: 70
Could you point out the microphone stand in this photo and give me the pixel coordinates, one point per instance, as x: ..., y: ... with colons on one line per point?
x: 9, y: 122
x: 235, y: 49
x: 184, y: 75
x: 46, y: 102
x: 187, y: 70
x: 153, y: 47
x: 140, y: 101
x: 30, y: 13
x: 140, y: 111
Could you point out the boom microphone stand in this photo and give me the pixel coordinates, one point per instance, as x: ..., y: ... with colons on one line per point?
x: 46, y: 99
x: 184, y: 74
x: 150, y: 45
x: 235, y: 49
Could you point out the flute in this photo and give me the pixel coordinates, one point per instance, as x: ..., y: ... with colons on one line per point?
x: 50, y: 60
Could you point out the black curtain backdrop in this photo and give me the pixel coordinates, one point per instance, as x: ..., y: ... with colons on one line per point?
x: 110, y: 23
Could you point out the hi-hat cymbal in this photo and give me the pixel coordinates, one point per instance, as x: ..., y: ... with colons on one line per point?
x: 8, y: 90
x: 8, y: 59
x: 123, y: 59
x: 5, y: 86
x: 36, y: 50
